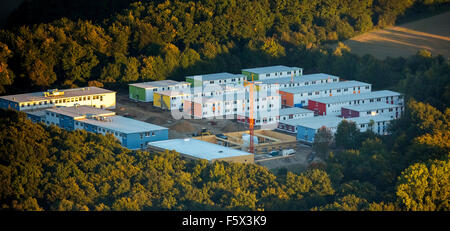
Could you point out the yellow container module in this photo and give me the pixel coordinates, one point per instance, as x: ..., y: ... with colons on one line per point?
x: 166, y: 102
x: 156, y: 99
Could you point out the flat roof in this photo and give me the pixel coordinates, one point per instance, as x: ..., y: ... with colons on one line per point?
x: 280, y: 112
x: 39, y: 96
x: 298, y: 79
x: 173, y: 93
x: 198, y: 148
x: 332, y: 121
x: 315, y: 122
x: 155, y: 84
x: 81, y: 111
x: 40, y: 113
x: 271, y: 69
x: 216, y: 76
x: 123, y: 124
x: 367, y: 119
x: 294, y: 110
x: 325, y: 86
x: 371, y: 106
x: 360, y: 96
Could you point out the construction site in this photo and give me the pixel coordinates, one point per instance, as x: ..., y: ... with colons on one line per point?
x: 264, y: 141
x: 267, y: 149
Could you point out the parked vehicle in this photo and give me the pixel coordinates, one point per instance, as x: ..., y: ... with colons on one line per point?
x: 286, y: 152
x: 274, y: 153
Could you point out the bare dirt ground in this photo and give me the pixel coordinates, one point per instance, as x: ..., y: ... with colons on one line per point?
x: 432, y: 34
x: 296, y: 163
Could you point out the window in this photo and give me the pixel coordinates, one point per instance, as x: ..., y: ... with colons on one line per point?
x: 267, y: 75
x: 147, y: 134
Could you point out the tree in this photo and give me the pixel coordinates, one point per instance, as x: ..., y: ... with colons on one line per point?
x: 6, y: 75
x: 347, y: 135
x: 347, y: 203
x: 425, y: 187
x: 323, y: 139
x: 77, y: 62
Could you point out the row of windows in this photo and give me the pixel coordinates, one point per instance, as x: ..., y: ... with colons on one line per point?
x: 281, y: 73
x: 57, y: 101
x: 361, y: 101
x: 146, y: 134
x: 367, y: 124
x: 225, y: 80
x: 171, y: 88
x: 327, y: 91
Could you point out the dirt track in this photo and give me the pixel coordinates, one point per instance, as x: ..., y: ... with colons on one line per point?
x: 404, y: 40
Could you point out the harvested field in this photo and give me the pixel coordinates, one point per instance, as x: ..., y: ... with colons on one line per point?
x: 432, y: 34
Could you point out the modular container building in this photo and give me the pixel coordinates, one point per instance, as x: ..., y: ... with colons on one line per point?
x: 144, y: 91
x: 377, y: 124
x: 89, y: 96
x: 332, y: 105
x: 271, y: 72
x: 394, y: 111
x: 215, y: 79
x: 230, y: 103
x: 298, y: 96
x: 198, y: 149
x: 304, y: 80
x: 307, y: 128
x: 132, y: 134
x: 275, y: 116
x: 291, y: 125
x: 170, y: 100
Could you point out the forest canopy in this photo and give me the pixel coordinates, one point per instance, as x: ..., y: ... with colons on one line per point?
x: 130, y: 41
